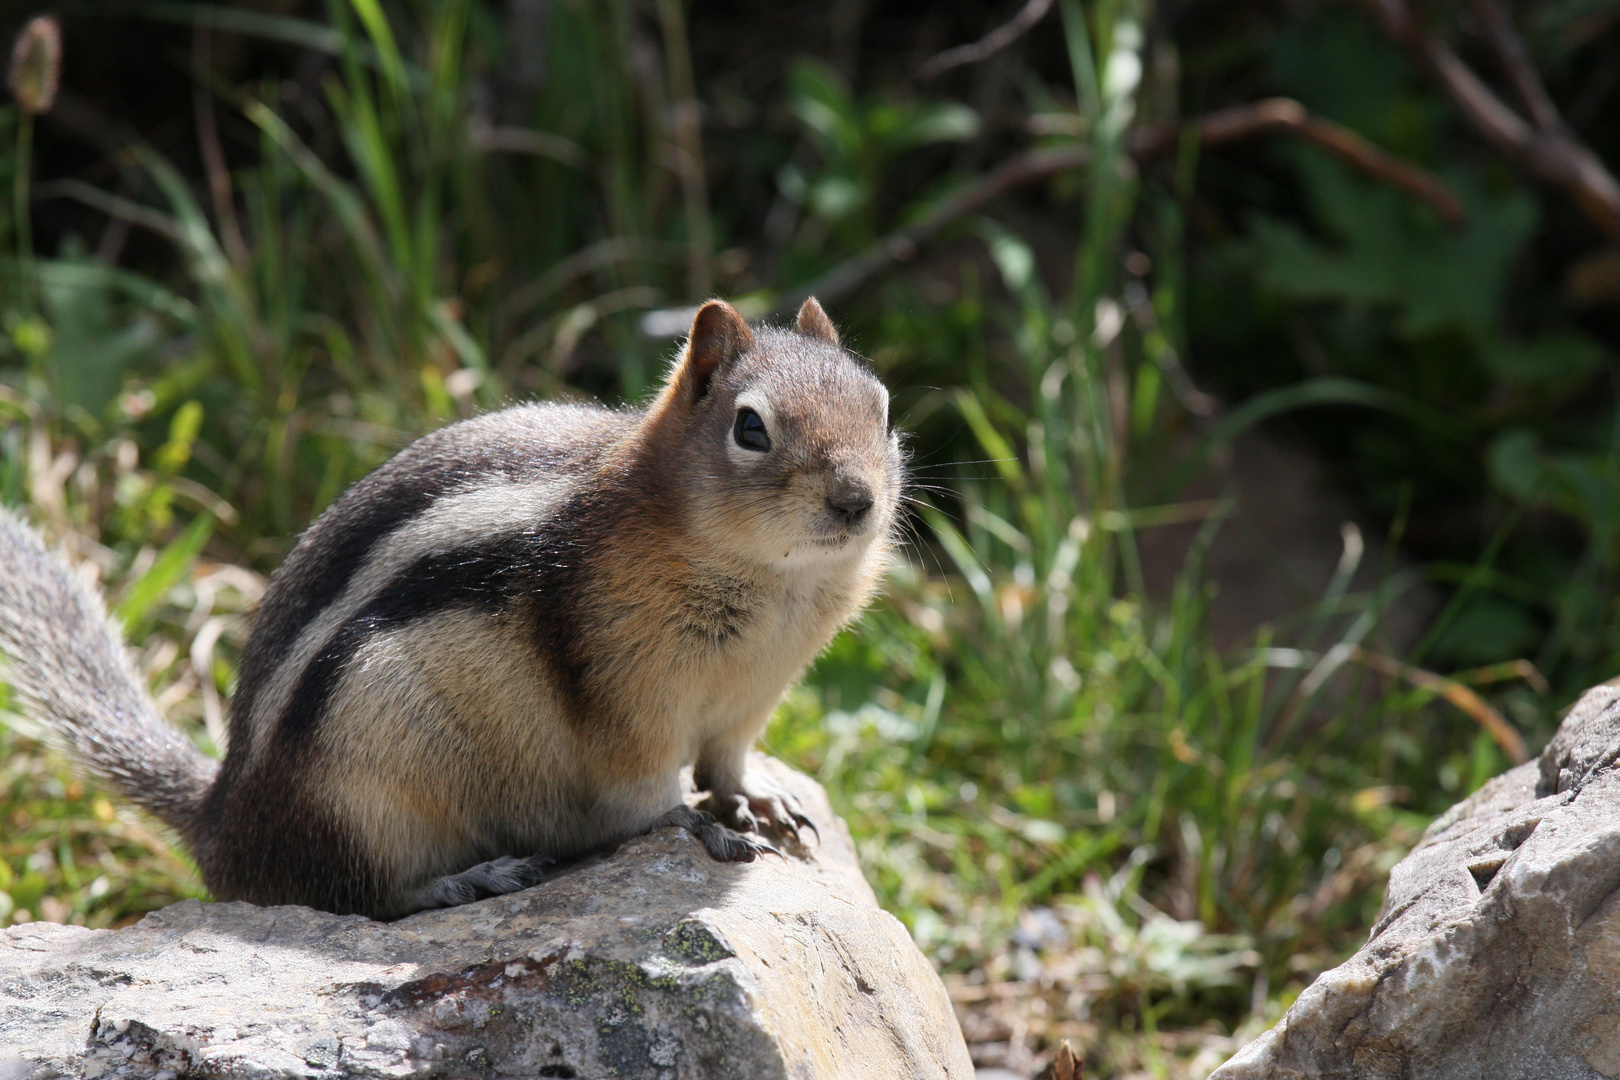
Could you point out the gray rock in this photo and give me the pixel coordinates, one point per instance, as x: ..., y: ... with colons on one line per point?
x: 1497, y: 954
x: 655, y: 961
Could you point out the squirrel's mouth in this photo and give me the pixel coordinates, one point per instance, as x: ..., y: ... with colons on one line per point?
x: 842, y: 536
x: 833, y: 545
x: 835, y: 531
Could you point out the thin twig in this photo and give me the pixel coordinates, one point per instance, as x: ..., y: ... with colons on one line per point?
x: 1186, y: 392
x: 1517, y: 65
x: 902, y: 244
x: 213, y: 155
x: 1551, y: 154
x: 987, y: 46
x: 1393, y: 16
x: 1553, y: 157
x: 1218, y: 128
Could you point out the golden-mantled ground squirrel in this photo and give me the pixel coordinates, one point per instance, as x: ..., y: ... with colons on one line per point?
x: 501, y: 647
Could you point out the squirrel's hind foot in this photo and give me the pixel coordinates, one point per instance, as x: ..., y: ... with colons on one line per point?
x: 725, y: 845
x: 497, y: 877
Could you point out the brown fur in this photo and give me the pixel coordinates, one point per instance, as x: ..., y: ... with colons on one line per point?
x: 508, y: 641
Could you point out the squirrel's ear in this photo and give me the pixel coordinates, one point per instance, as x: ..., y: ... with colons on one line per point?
x: 814, y: 322
x: 718, y: 335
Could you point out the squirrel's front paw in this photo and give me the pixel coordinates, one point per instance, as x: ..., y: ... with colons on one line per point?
x: 761, y: 809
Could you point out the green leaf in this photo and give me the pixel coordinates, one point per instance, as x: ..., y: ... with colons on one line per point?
x: 1330, y: 390
x: 467, y: 349
x: 1340, y: 67
x: 1383, y: 248
x: 235, y: 20
x: 1013, y: 257
x: 345, y: 202
x: 1485, y: 630
x: 1587, y: 488
x: 968, y: 564
x: 836, y: 197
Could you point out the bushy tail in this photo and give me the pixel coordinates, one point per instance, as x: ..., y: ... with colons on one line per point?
x: 68, y: 669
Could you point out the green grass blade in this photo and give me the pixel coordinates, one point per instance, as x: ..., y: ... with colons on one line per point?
x: 1327, y: 390
x: 996, y: 446
x: 350, y: 209
x: 166, y: 571
x: 382, y: 39
x: 234, y: 20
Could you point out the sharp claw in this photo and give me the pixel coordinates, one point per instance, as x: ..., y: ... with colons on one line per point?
x: 802, y: 822
x: 785, y: 821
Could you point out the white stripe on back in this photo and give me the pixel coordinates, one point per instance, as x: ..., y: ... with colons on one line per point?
x: 477, y: 516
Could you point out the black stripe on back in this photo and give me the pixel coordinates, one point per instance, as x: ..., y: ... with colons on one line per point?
x: 322, y: 567
x: 521, y: 443
x: 538, y: 568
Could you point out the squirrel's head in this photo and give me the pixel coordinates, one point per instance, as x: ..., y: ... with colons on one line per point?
x: 781, y: 440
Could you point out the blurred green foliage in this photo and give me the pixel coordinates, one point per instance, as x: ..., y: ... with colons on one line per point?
x: 388, y: 216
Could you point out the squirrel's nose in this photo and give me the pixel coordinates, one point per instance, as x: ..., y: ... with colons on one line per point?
x: 850, y: 501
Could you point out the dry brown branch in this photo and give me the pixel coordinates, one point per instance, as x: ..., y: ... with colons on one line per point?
x: 1544, y: 149
x: 1216, y: 129
x: 987, y: 46
x: 1493, y: 722
x: 1517, y: 66
x: 1285, y: 114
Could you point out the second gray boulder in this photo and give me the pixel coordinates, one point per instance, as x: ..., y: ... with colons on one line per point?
x: 1497, y: 954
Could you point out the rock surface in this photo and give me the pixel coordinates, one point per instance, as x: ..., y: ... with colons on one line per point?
x: 1497, y: 954
x: 653, y: 962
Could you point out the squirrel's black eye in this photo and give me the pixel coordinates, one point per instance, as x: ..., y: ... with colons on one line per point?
x: 750, y: 431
